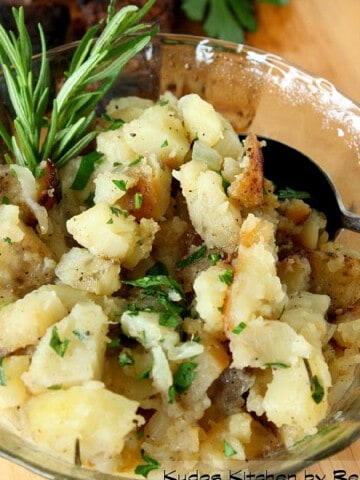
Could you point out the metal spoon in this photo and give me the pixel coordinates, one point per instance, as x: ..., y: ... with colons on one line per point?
x: 286, y: 167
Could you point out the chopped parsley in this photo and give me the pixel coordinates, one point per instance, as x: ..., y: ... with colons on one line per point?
x: 171, y: 394
x: 58, y: 345
x: 5, y: 200
x: 2, y: 373
x: 184, y: 376
x: 7, y: 240
x: 317, y: 389
x: 165, y: 144
x: 194, y: 257
x: 167, y: 319
x: 289, y: 193
x: 228, y: 450
x: 120, y: 184
x: 149, y: 465
x: 145, y: 374
x: 56, y: 386
x: 125, y: 359
x: 119, y: 211
x: 138, y: 200
x: 87, y: 166
x: 157, y: 281
x: 215, y: 258
x: 115, y: 123
x: 136, y: 161
x: 239, y: 328
x: 226, y: 277
x: 81, y: 334
x: 276, y: 365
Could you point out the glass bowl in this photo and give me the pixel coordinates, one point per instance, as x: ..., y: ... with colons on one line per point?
x: 261, y: 93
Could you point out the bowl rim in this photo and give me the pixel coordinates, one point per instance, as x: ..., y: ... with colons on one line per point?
x: 265, y: 56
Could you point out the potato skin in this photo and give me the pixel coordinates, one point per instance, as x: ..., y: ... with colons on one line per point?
x: 336, y: 275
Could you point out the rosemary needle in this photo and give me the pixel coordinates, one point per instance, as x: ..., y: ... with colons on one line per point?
x: 98, y: 59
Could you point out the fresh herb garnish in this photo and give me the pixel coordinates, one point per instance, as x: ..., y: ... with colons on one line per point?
x: 125, y: 359
x: 171, y: 393
x: 225, y: 19
x: 150, y: 464
x: 138, y: 199
x: 276, y: 365
x: 226, y: 277
x: 157, y: 281
x: 2, y: 373
x: 81, y: 335
x: 120, y: 184
x: 317, y: 390
x: 167, y: 319
x: 184, y: 376
x: 145, y: 374
x: 58, y: 345
x: 228, y: 450
x: 239, y: 328
x: 215, y: 258
x: 88, y: 163
x: 289, y: 193
x: 96, y: 62
x: 194, y: 257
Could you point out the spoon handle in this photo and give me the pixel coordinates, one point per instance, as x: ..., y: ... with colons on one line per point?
x: 350, y: 221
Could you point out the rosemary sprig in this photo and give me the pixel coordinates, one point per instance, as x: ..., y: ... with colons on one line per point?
x: 96, y: 63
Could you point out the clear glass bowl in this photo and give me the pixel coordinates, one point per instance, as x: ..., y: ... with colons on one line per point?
x: 262, y: 93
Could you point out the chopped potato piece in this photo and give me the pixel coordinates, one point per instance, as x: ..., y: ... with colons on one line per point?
x: 201, y: 120
x: 13, y: 392
x: 112, y: 233
x: 256, y: 289
x: 25, y: 321
x: 71, y: 352
x: 158, y: 130
x: 81, y: 269
x: 90, y: 414
x: 213, y: 215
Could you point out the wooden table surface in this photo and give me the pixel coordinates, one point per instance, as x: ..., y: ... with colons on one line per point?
x: 322, y: 36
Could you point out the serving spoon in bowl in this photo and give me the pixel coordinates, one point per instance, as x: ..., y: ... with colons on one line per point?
x: 286, y: 167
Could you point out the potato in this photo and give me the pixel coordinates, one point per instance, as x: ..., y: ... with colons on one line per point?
x: 306, y: 313
x: 115, y: 148
x: 256, y: 289
x: 95, y: 417
x: 127, y: 108
x: 210, y: 294
x: 226, y: 438
x: 335, y: 274
x: 152, y: 185
x: 73, y: 353
x: 80, y: 269
x: 25, y: 261
x: 111, y: 233
x: 13, y: 392
x: 212, y: 214
x: 297, y: 408
x: 158, y: 131
x: 110, y: 186
x: 25, y: 321
x: 248, y: 186
x: 10, y: 229
x: 201, y: 120
x: 255, y: 347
